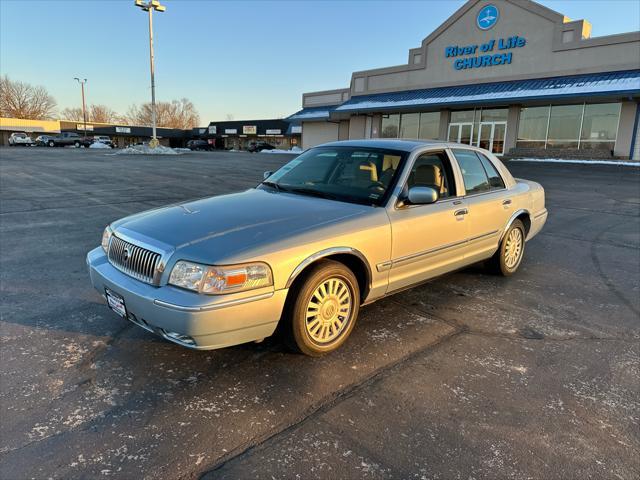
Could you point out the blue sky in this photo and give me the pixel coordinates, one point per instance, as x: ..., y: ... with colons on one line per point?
x: 251, y: 59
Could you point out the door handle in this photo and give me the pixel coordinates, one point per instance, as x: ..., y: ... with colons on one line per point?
x: 506, y: 202
x: 462, y: 211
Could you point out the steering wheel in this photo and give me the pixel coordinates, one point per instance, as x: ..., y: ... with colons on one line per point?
x: 376, y: 185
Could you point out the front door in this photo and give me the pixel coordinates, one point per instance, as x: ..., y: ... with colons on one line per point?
x: 491, y: 136
x: 427, y: 240
x: 461, y: 133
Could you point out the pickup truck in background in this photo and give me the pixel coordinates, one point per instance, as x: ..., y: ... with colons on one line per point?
x: 69, y: 139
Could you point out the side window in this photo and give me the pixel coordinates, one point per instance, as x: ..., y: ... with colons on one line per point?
x: 433, y: 170
x: 473, y: 174
x: 495, y: 180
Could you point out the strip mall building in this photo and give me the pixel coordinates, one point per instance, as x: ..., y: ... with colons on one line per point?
x: 500, y: 74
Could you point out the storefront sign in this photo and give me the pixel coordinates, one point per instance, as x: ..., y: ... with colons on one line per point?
x: 296, y: 129
x: 123, y: 130
x: 489, y: 60
x: 249, y: 129
x: 231, y: 131
x: 212, y: 129
x: 81, y: 126
x: 274, y: 131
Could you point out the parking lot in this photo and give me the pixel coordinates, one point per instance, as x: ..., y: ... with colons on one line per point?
x: 468, y: 376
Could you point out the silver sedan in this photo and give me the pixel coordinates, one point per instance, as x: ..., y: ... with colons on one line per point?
x: 340, y: 226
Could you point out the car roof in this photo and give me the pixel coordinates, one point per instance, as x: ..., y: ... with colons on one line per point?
x: 405, y: 145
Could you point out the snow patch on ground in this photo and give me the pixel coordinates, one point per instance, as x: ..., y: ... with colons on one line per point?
x: 99, y: 145
x: 294, y: 151
x: 581, y: 162
x: 147, y: 150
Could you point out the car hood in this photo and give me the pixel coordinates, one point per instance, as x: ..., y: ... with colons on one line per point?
x: 229, y: 224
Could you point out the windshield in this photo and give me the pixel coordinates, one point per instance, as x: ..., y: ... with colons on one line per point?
x: 348, y: 174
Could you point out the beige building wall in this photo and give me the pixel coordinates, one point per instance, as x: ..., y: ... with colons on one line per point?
x: 315, y: 133
x: 554, y: 47
x: 356, y: 127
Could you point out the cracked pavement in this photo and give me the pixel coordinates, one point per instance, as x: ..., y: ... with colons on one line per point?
x: 468, y: 376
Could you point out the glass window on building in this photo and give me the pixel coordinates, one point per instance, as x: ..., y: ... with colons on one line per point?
x: 462, y: 116
x: 409, y: 123
x: 429, y: 125
x: 494, y: 114
x: 600, y: 126
x: 390, y: 126
x: 564, y: 126
x: 532, y: 129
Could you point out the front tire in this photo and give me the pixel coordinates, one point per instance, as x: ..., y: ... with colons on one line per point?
x: 51, y: 143
x: 323, y: 309
x: 507, y: 259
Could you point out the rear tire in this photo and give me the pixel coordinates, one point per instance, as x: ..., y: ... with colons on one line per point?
x: 322, y: 309
x: 51, y: 143
x: 509, y: 256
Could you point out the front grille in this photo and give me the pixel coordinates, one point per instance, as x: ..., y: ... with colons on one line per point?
x: 135, y: 261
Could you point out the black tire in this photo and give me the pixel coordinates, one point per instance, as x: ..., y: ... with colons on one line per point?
x: 501, y: 265
x: 51, y: 143
x: 76, y: 144
x: 296, y: 330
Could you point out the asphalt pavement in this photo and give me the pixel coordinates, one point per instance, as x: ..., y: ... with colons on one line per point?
x: 469, y: 376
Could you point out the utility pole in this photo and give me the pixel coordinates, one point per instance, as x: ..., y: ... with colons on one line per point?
x: 84, y: 106
x: 150, y: 7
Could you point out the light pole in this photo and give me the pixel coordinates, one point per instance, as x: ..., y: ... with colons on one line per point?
x: 84, y: 107
x: 150, y: 6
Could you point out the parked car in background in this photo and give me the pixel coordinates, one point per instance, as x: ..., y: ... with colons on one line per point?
x: 69, y: 139
x: 259, y: 146
x: 17, y: 138
x: 43, y: 140
x: 198, y: 145
x: 343, y: 224
x: 103, y: 139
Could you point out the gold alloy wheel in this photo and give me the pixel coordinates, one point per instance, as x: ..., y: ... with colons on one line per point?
x: 328, y: 310
x: 513, y: 248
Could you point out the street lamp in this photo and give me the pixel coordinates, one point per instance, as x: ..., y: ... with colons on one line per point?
x: 150, y: 6
x: 84, y: 107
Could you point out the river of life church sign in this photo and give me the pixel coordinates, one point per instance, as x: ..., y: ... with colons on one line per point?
x: 496, y: 52
x: 489, y: 54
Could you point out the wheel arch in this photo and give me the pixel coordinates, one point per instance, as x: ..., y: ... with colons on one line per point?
x: 524, y: 216
x: 350, y: 257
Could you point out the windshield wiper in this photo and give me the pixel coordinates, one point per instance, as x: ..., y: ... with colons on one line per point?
x: 274, y: 185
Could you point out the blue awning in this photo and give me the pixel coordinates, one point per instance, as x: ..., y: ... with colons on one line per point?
x: 613, y: 83
x: 312, y: 113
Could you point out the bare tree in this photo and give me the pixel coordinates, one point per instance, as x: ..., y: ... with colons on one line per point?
x: 95, y: 113
x: 73, y: 114
x: 23, y: 100
x: 102, y: 114
x: 175, y: 114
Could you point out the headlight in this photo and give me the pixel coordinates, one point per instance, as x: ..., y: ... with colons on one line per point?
x: 217, y: 280
x: 106, y: 236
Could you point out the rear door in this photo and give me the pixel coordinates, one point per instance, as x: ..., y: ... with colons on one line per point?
x: 427, y: 240
x: 487, y: 200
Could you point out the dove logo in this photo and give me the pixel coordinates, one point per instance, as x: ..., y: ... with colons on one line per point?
x: 487, y: 17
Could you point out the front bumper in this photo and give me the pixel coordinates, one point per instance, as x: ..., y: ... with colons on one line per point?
x: 201, y: 322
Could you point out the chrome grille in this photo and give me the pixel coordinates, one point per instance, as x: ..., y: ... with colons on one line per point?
x: 135, y: 261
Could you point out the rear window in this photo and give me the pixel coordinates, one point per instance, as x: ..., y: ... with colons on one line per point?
x: 473, y: 173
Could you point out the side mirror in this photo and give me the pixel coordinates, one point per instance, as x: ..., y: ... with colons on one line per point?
x: 422, y: 195
x: 266, y: 175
